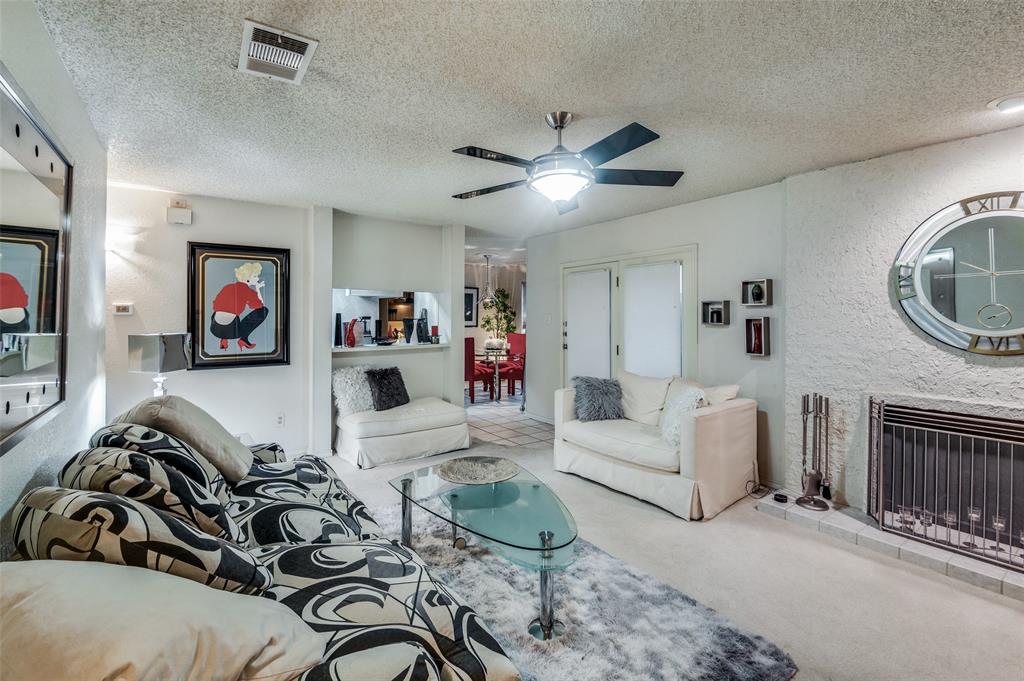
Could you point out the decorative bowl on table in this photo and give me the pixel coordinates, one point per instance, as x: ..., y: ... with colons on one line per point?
x: 478, y: 470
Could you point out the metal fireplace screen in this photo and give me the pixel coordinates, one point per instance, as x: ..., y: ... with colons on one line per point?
x: 952, y: 480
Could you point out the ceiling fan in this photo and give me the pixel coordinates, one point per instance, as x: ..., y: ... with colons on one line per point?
x: 561, y: 175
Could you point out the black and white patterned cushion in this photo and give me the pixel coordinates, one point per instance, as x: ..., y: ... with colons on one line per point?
x: 358, y: 660
x: 166, y: 448
x: 147, y: 480
x: 64, y: 524
x: 310, y: 473
x: 269, y: 452
x: 376, y: 593
x: 299, y: 501
x: 272, y: 521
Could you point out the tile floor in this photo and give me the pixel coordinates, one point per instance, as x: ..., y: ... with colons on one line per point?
x: 502, y: 423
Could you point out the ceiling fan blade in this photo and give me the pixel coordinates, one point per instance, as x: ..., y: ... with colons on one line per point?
x: 489, y: 155
x: 566, y: 206
x: 647, y: 178
x: 618, y: 143
x: 489, y: 190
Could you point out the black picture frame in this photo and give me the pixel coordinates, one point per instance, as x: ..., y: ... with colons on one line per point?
x: 251, y: 338
x: 43, y: 312
x: 471, y: 305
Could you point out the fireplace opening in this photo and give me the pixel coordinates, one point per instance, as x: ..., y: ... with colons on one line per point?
x: 948, y: 479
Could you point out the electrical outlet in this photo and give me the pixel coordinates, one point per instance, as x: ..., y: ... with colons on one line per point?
x: 279, y: 419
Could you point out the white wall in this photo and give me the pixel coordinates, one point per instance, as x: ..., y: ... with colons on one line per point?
x: 147, y: 264
x: 26, y: 202
x: 371, y: 253
x: 845, y: 334
x: 26, y: 51
x: 739, y: 236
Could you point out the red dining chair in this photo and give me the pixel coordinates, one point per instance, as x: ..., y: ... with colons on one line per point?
x: 475, y: 371
x: 514, y: 367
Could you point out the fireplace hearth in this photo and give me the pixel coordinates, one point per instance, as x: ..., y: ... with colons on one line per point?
x: 949, y: 479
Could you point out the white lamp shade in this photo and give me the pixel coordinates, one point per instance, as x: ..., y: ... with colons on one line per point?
x: 560, y: 185
x: 159, y: 353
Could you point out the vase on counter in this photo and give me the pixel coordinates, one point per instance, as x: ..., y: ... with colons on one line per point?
x: 408, y: 326
x: 350, y: 335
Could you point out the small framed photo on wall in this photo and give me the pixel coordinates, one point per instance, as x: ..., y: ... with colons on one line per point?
x: 237, y: 305
x: 471, y: 305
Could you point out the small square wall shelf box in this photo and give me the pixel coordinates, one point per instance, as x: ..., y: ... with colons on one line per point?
x: 758, y: 335
x: 715, y: 312
x: 756, y: 293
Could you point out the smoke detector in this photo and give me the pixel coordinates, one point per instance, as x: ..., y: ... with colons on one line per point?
x: 273, y: 53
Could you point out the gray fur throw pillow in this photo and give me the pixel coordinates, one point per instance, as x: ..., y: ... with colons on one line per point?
x: 597, y: 399
x: 387, y: 388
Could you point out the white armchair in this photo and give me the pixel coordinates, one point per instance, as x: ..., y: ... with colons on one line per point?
x: 709, y: 471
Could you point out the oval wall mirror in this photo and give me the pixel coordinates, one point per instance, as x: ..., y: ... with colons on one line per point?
x: 960, y: 275
x: 35, y: 187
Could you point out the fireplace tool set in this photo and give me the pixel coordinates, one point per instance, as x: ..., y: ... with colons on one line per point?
x: 815, y: 480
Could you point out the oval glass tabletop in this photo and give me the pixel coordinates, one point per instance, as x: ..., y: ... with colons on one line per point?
x: 520, y: 517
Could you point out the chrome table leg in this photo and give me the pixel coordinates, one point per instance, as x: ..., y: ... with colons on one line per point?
x: 406, y: 512
x: 546, y: 627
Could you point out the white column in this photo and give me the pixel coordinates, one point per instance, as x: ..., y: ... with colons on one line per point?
x: 450, y: 305
x: 320, y: 242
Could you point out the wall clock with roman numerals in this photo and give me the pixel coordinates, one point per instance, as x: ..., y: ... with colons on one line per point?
x: 960, y: 275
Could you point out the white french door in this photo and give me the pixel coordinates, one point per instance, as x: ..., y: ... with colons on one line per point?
x: 652, y: 319
x: 638, y: 313
x: 587, y: 322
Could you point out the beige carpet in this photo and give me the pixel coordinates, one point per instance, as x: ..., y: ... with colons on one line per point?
x: 843, y: 613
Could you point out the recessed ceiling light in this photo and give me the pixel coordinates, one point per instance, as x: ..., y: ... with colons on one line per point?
x: 1009, y: 104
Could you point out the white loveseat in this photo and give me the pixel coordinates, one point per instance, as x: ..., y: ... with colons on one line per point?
x: 707, y: 472
x: 423, y: 427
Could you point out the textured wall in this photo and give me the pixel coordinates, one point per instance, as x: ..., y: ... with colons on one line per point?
x: 845, y: 334
x: 147, y: 264
x: 26, y: 51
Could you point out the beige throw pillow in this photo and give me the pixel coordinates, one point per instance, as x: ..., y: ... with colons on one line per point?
x: 721, y: 393
x: 69, y: 621
x: 177, y: 416
x: 643, y: 398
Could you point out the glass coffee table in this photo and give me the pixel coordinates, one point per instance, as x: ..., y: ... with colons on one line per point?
x: 519, y: 518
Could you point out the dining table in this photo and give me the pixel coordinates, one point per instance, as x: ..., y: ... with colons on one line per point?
x: 494, y: 358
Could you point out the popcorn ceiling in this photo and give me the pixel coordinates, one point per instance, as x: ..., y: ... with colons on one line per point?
x: 742, y: 94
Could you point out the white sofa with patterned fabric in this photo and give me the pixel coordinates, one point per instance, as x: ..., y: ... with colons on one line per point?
x: 708, y: 471
x: 199, y: 506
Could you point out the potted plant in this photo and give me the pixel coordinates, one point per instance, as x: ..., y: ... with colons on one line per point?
x: 499, y: 319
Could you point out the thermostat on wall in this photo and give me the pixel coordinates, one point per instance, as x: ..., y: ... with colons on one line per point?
x: 178, y: 213
x: 124, y: 308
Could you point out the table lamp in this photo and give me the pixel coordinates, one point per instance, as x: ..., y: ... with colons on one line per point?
x: 159, y: 353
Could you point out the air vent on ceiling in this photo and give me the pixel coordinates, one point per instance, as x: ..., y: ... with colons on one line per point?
x: 273, y: 53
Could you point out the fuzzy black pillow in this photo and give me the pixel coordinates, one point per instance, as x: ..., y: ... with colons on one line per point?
x: 387, y: 388
x: 597, y: 399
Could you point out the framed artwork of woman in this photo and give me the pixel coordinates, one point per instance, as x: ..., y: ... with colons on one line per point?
x: 237, y: 305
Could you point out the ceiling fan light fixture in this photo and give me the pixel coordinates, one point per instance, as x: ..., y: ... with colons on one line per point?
x: 560, y: 175
x: 559, y: 185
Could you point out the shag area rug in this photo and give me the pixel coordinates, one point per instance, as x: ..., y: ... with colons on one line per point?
x: 621, y: 624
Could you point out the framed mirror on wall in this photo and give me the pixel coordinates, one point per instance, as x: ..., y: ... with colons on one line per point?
x: 960, y: 275
x: 35, y: 200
